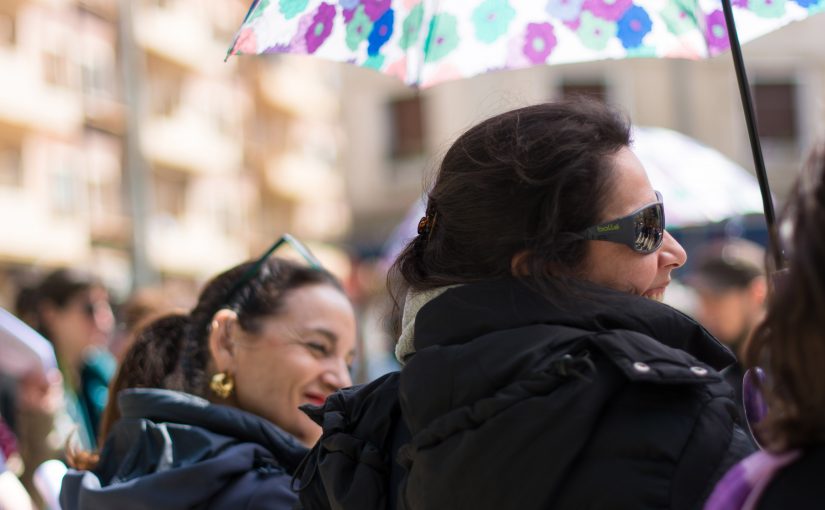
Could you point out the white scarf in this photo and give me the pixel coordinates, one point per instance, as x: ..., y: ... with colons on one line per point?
x: 412, y: 304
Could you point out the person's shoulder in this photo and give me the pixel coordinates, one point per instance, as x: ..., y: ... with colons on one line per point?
x: 261, y: 488
x: 798, y: 485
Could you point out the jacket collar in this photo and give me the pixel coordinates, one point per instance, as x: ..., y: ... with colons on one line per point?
x: 176, y: 407
x: 463, y: 313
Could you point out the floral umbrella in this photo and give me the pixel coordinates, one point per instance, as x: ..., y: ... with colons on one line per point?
x: 424, y: 42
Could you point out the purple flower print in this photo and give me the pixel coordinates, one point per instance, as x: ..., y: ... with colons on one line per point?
x: 611, y: 10
x: 376, y: 8
x: 381, y: 32
x: 539, y: 42
x: 320, y: 28
x: 716, y: 32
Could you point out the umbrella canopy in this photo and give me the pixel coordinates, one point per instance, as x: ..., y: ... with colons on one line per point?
x: 699, y: 185
x: 424, y: 42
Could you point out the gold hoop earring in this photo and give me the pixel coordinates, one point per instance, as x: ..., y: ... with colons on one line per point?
x: 222, y: 384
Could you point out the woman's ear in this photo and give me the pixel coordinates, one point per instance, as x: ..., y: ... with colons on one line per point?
x: 221, y: 344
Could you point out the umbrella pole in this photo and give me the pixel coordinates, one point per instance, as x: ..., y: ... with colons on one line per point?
x: 750, y: 121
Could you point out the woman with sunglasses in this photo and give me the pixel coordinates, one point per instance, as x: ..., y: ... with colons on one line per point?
x: 208, y: 402
x: 540, y: 369
x: 789, y: 345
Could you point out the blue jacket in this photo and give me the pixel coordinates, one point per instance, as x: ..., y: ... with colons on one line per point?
x: 172, y: 450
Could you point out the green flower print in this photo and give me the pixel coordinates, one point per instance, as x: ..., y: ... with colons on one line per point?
x: 679, y: 17
x: 262, y: 5
x: 374, y: 62
x: 358, y: 28
x: 767, y: 8
x: 292, y: 8
x: 595, y: 32
x: 412, y: 27
x: 491, y: 19
x: 442, y: 37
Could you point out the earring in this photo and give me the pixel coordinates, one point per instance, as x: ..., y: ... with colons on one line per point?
x: 222, y: 384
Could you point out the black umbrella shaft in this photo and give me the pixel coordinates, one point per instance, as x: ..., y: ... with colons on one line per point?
x: 750, y: 121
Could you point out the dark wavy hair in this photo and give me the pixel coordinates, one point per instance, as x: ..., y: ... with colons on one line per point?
x: 523, y: 181
x: 790, y: 342
x: 58, y: 289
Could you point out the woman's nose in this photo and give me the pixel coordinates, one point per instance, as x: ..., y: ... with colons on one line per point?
x: 672, y: 255
x: 337, y: 376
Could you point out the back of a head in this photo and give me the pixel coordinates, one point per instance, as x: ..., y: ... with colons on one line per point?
x: 729, y: 264
x: 522, y: 181
x: 790, y: 343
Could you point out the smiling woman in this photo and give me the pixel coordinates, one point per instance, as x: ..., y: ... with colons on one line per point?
x: 208, y: 402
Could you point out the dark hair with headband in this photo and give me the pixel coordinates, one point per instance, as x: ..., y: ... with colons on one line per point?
x: 790, y: 342
x: 525, y: 181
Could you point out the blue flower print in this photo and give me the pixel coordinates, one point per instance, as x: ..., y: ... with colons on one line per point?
x: 381, y: 32
x: 633, y: 26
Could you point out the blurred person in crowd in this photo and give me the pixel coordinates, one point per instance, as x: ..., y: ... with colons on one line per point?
x: 730, y: 284
x: 225, y: 430
x: 73, y: 312
x: 540, y: 369
x: 790, y: 346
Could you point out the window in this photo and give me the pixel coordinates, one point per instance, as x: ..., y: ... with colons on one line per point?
x: 8, y: 35
x: 11, y: 171
x: 776, y: 112
x: 56, y: 69
x: 164, y: 95
x: 170, y: 189
x: 593, y: 90
x: 65, y: 189
x: 407, y: 124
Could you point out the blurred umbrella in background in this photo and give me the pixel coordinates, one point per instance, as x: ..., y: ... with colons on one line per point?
x: 700, y: 185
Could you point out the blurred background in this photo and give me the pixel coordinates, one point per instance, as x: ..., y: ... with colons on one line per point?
x: 130, y: 148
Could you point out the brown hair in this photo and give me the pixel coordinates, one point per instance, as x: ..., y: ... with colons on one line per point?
x: 790, y: 342
x: 524, y: 181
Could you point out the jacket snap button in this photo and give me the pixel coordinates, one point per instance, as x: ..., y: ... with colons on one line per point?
x: 699, y: 370
x: 641, y: 367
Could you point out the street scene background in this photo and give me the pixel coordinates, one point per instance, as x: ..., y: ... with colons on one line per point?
x: 128, y: 147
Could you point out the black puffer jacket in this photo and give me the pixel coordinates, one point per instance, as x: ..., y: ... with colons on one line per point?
x: 510, y: 402
x: 173, y: 450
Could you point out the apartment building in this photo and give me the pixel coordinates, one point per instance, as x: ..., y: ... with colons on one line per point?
x: 126, y: 140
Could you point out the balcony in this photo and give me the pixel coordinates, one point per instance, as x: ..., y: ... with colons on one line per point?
x: 191, y: 247
x: 301, y: 178
x: 36, y: 236
x: 191, y: 142
x: 299, y: 87
x: 27, y: 102
x: 179, y: 35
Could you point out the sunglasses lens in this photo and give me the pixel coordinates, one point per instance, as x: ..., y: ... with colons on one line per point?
x: 650, y: 228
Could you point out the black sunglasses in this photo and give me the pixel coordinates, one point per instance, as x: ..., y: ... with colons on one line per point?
x: 642, y: 230
x: 255, y: 269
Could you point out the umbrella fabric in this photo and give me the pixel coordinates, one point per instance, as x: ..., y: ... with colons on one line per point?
x: 699, y: 185
x: 424, y: 42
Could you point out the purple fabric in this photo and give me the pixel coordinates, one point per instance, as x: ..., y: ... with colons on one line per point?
x: 742, y: 486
